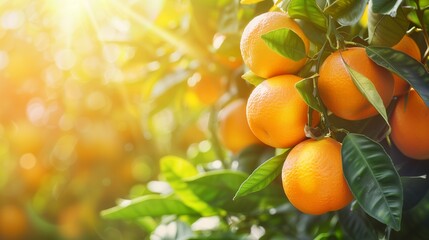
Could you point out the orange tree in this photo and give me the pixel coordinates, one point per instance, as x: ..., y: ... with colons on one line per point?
x: 348, y: 179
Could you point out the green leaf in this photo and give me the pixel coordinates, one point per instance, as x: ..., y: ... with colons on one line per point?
x: 367, y: 88
x: 308, y: 93
x: 404, y: 66
x: 286, y: 43
x: 307, y: 10
x: 252, y: 78
x: 356, y: 225
x: 175, y: 169
x: 373, y: 179
x: 149, y: 205
x: 415, y: 188
x: 263, y: 175
x: 412, y: 16
x: 252, y: 156
x: 217, y: 188
x: 385, y: 30
x: 385, y: 7
x: 346, y: 12
x: 314, y: 33
x: 415, y: 221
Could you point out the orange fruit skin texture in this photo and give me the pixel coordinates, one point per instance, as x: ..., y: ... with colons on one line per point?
x: 410, y: 126
x: 234, y: 132
x: 258, y: 56
x: 313, y: 179
x: 409, y: 46
x: 338, y: 91
x: 277, y: 114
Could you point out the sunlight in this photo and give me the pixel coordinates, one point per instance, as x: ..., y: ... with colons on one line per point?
x: 68, y: 14
x: 163, y: 34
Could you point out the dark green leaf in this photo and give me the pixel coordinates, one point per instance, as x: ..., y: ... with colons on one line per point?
x: 263, y: 175
x: 314, y: 33
x: 373, y: 179
x: 356, y: 225
x: 367, y: 88
x: 175, y: 170
x: 218, y: 188
x: 307, y: 10
x: 415, y: 222
x: 150, y: 205
x: 308, y: 90
x: 346, y: 12
x: 252, y: 78
x: 404, y: 66
x: 286, y: 43
x: 415, y: 188
x: 385, y: 30
x: 386, y: 7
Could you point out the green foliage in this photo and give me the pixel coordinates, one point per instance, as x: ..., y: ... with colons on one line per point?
x: 175, y: 170
x: 373, y: 180
x: 240, y: 195
x: 405, y: 66
x: 356, y: 224
x: 263, y: 175
x: 252, y: 78
x: 367, y: 88
x: 386, y: 7
x: 148, y: 205
x: 306, y: 87
x: 307, y: 10
x: 386, y: 30
x: 346, y: 12
x: 286, y: 43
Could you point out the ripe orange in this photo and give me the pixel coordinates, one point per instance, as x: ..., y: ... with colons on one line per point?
x: 208, y: 89
x: 313, y: 179
x: 410, y: 47
x: 276, y: 113
x: 410, y: 129
x: 13, y: 222
x: 234, y: 132
x: 338, y: 91
x: 260, y: 58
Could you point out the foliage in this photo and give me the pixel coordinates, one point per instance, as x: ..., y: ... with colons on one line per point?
x: 386, y: 185
x: 102, y: 136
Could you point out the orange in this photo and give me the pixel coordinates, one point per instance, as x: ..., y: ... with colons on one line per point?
x: 13, y: 222
x: 276, y: 112
x: 410, y: 129
x: 234, y: 132
x: 208, y: 89
x: 313, y: 179
x: 258, y: 56
x: 409, y: 46
x: 338, y: 91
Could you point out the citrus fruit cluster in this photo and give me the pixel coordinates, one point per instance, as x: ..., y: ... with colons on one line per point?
x: 276, y: 113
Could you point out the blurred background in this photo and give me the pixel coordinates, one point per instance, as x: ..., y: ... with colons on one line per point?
x: 95, y: 92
